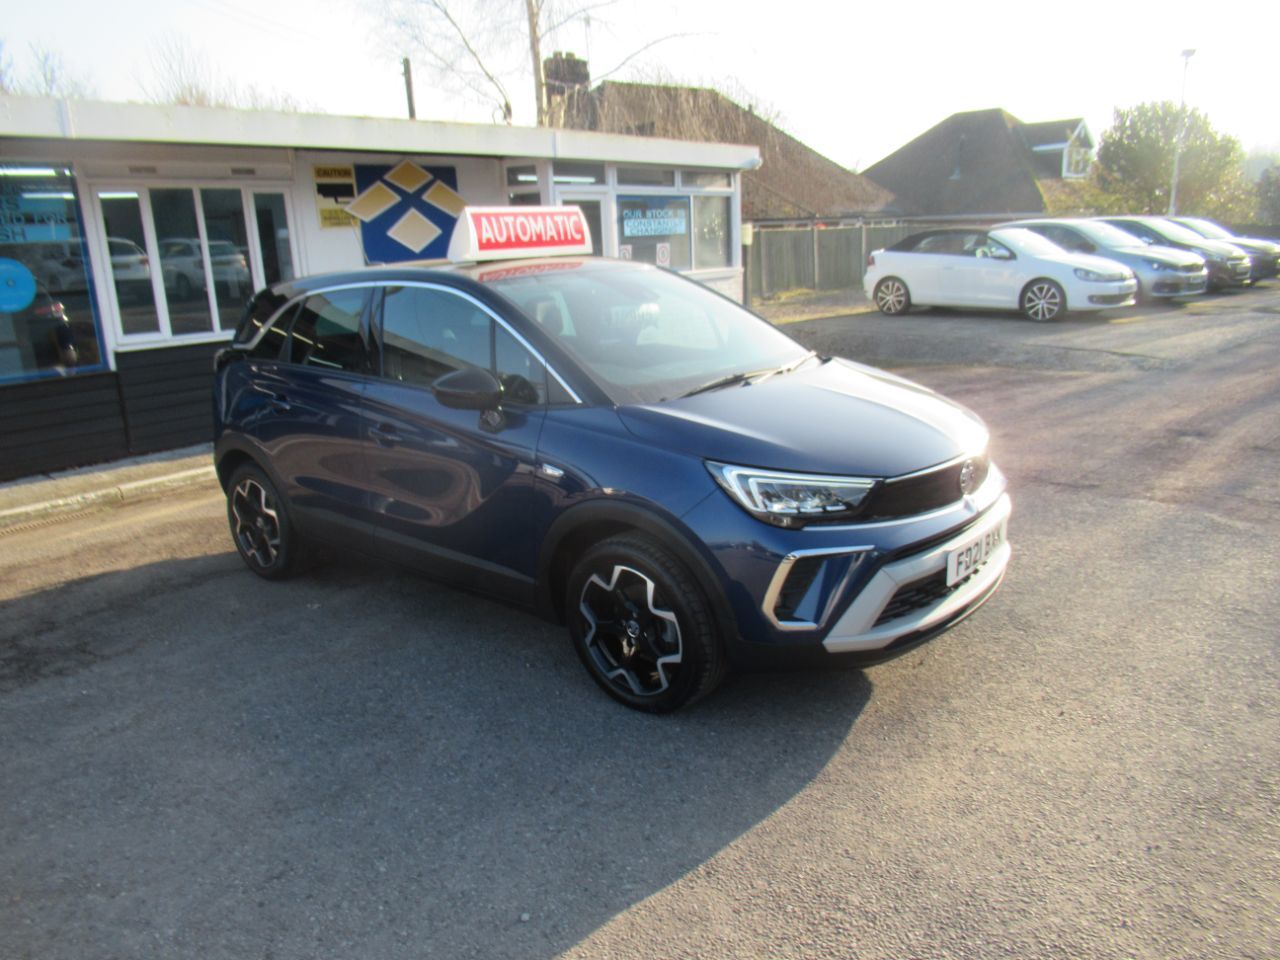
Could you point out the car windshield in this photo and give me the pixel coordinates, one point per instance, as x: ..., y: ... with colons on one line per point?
x: 643, y: 334
x: 1027, y: 241
x: 221, y: 248
x: 1105, y: 235
x: 1176, y: 231
x: 1206, y: 228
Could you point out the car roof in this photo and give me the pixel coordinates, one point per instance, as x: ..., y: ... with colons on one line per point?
x: 462, y: 275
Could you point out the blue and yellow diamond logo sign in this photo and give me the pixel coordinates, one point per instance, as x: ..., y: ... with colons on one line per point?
x: 406, y: 212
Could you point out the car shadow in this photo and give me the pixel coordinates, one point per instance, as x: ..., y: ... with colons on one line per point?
x: 357, y: 762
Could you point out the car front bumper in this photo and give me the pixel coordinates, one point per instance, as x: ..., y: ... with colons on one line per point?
x: 1178, y: 284
x: 865, y: 592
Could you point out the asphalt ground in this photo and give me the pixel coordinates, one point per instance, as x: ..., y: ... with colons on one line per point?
x: 360, y: 763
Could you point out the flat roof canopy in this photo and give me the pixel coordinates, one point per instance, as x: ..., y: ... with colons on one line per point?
x: 93, y: 120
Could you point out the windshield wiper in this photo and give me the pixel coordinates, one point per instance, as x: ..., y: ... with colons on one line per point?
x: 745, y: 377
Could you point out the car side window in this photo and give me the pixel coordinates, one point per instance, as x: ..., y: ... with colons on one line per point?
x: 326, y: 331
x: 271, y: 346
x: 522, y: 375
x: 426, y: 333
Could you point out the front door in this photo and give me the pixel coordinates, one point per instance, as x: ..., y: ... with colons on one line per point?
x: 453, y: 489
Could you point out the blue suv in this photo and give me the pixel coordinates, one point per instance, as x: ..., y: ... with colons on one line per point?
x: 618, y: 448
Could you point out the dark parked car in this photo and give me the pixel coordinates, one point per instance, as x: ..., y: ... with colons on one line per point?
x: 1228, y: 265
x: 617, y: 447
x: 1264, y: 254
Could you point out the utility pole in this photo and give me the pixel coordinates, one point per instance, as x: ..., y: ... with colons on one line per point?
x: 1182, y: 134
x: 408, y: 87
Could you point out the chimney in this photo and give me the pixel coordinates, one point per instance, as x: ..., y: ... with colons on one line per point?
x: 567, y: 79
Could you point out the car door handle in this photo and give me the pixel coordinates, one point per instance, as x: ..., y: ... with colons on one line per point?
x: 385, y: 434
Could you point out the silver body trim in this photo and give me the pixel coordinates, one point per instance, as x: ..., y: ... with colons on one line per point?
x: 856, y: 630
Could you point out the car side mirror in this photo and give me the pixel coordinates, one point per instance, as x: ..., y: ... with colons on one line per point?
x: 1002, y: 255
x: 1087, y: 247
x: 470, y: 388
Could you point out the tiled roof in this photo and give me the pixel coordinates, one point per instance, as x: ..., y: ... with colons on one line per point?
x: 972, y: 163
x: 795, y: 181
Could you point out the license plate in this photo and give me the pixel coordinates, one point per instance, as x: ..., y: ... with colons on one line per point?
x: 969, y: 556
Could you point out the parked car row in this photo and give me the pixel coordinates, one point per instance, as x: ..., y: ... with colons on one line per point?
x: 1046, y: 267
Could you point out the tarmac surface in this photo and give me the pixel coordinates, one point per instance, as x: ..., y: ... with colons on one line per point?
x: 360, y: 763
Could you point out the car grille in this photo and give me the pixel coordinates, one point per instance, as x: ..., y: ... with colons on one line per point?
x: 921, y: 492
x: 1190, y: 268
x: 918, y: 595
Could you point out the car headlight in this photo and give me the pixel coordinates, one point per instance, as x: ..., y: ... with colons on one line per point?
x: 787, y: 499
x: 1097, y: 277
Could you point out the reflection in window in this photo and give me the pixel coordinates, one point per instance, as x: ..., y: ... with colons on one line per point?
x: 273, y: 237
x: 181, y: 260
x: 711, y: 232
x: 228, y: 252
x: 428, y: 333
x: 46, y: 317
x: 130, y: 266
x: 326, y: 331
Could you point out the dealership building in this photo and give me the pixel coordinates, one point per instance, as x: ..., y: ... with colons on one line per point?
x: 131, y: 236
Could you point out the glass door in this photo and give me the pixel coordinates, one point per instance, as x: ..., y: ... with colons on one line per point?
x: 592, y: 206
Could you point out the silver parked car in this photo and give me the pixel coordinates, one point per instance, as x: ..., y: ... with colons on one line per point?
x: 1161, y: 271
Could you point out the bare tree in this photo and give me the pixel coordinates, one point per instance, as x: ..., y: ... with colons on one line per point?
x: 478, y: 46
x: 46, y: 75
x: 183, y: 75
x: 6, y: 71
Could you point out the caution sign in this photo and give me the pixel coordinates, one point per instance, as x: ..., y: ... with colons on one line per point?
x: 335, y: 189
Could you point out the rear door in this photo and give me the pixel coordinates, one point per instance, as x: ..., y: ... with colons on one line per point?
x: 308, y: 417
x: 453, y: 489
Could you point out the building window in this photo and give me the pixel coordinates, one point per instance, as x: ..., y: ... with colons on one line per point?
x: 654, y: 230
x: 48, y: 324
x: 711, y: 232
x: 577, y: 173
x: 706, y: 179
x: 646, y: 177
x: 184, y: 261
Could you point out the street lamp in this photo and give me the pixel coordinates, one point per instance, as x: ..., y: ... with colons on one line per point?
x: 1182, y: 134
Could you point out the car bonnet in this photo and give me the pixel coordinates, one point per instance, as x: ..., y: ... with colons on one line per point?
x: 835, y: 417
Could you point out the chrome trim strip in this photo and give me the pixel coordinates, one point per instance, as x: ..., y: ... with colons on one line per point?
x: 780, y: 577
x: 945, y: 465
x: 426, y: 286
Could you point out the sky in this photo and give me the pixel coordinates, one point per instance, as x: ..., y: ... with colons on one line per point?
x: 854, y: 80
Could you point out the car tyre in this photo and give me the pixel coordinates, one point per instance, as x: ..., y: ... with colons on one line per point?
x: 642, y: 626
x: 182, y: 287
x: 1043, y: 301
x: 892, y: 297
x: 261, y: 527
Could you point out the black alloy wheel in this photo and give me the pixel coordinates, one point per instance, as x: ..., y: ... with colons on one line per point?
x: 642, y: 626
x: 260, y: 524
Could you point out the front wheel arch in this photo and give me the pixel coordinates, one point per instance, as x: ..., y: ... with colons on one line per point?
x: 581, y: 527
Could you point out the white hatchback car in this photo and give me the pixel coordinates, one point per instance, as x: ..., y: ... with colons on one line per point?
x: 1006, y: 269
